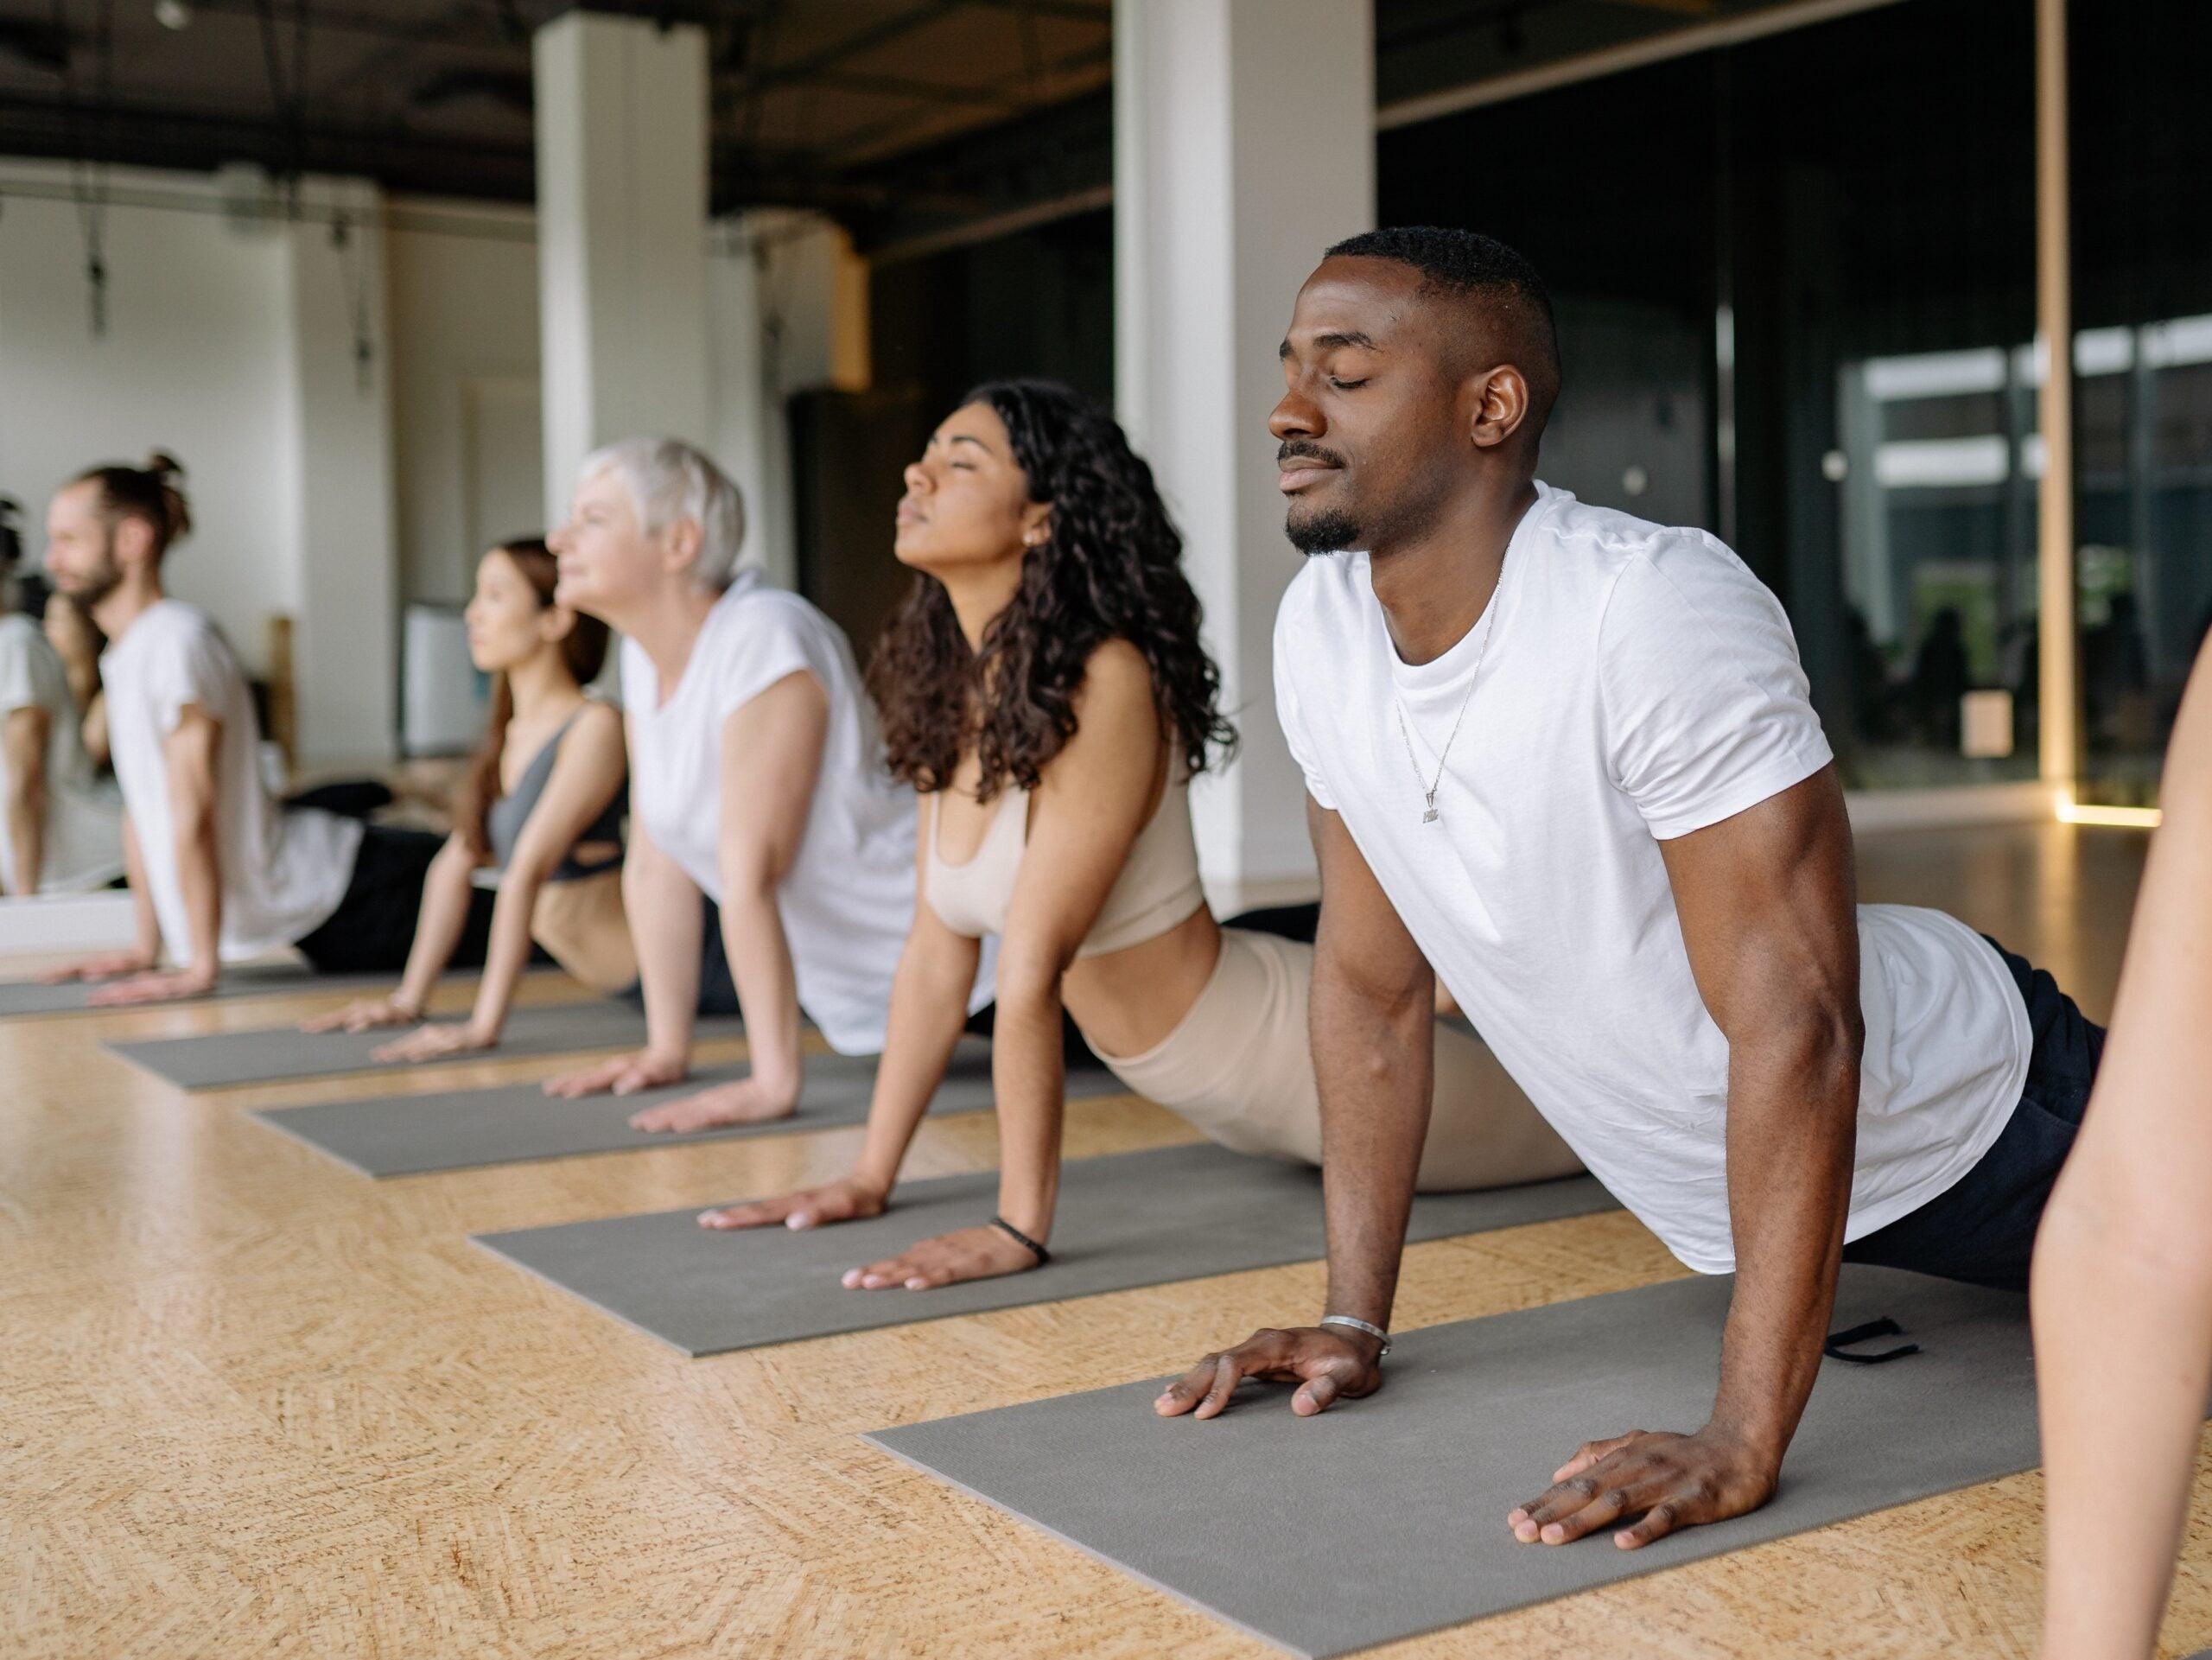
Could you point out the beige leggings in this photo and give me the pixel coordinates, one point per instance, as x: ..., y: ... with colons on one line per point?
x: 1239, y: 1067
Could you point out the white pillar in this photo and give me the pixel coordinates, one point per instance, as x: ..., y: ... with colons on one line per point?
x: 343, y: 534
x: 788, y: 302
x: 1244, y: 145
x: 622, y: 134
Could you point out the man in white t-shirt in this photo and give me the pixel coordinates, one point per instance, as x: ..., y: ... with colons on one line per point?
x: 60, y: 830
x: 1567, y: 758
x: 221, y: 871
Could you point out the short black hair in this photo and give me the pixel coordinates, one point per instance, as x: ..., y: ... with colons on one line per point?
x: 1468, y: 263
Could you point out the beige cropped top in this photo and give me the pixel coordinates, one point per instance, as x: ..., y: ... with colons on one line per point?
x: 1157, y: 889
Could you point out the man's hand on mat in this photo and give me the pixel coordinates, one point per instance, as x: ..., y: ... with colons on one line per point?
x: 748, y: 1101
x: 106, y: 967
x: 621, y: 1075
x: 429, y: 1042
x: 154, y: 988
x: 1325, y: 1364
x: 1670, y: 1481
x: 965, y: 1254
x: 849, y: 1200
x: 363, y: 1013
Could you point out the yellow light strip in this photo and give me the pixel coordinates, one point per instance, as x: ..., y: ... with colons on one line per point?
x: 2071, y: 811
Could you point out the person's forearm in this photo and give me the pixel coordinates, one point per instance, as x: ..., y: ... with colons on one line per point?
x: 663, y: 910
x: 1375, y: 1058
x: 1028, y: 1080
x: 147, y: 919
x: 438, y: 928
x: 507, y: 952
x: 199, y: 876
x: 26, y: 838
x: 767, y: 986
x: 929, y: 1008
x: 2123, y: 1323
x: 1793, y: 1121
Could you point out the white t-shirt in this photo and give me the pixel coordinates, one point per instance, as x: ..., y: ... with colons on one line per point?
x: 282, y: 872
x: 1640, y: 684
x: 84, y: 819
x: 848, y: 896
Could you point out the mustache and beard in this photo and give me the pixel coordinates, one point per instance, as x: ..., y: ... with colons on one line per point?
x: 1323, y: 530
x: 90, y: 587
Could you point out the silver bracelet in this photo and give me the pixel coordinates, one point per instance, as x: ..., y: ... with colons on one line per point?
x: 1375, y: 1332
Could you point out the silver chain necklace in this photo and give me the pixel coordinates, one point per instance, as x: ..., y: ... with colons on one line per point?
x: 1428, y: 796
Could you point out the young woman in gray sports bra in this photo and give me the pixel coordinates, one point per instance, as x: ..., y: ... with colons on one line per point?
x: 541, y: 808
x: 1044, y: 689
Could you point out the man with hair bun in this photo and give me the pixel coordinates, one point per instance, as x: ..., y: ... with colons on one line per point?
x: 221, y: 871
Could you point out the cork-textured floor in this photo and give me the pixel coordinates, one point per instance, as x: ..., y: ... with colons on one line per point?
x: 250, y: 1404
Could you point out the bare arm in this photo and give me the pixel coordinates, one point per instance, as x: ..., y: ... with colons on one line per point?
x: 665, y: 910
x: 1372, y: 1020
x: 2122, y: 1288
x: 587, y: 771
x: 1769, y: 919
x: 23, y: 750
x: 188, y: 755
x: 771, y: 753
x: 1089, y: 807
x: 929, y: 1008
x: 448, y: 888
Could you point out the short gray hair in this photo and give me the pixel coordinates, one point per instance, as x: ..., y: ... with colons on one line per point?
x: 669, y: 479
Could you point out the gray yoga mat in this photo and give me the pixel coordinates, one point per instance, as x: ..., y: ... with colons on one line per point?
x: 456, y: 1130
x: 249, y: 980
x: 1385, y: 1518
x: 279, y: 1053
x: 1128, y: 1220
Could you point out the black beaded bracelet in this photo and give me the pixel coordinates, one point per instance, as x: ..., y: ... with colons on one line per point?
x: 1018, y: 1237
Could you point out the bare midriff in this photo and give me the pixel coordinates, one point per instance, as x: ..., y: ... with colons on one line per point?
x: 1127, y: 1002
x: 582, y: 923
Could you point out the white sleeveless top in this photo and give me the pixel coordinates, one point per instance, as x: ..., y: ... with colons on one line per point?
x: 1157, y: 889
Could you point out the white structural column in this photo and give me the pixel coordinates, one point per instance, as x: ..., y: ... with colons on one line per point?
x: 345, y: 541
x: 1244, y: 144
x: 622, y: 135
x: 2059, y: 665
x: 788, y: 304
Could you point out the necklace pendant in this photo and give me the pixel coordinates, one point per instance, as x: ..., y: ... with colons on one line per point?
x: 1429, y: 818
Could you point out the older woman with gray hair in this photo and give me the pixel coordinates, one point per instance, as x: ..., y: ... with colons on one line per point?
x: 756, y: 781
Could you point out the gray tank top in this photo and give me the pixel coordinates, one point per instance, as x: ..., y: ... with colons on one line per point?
x: 504, y: 819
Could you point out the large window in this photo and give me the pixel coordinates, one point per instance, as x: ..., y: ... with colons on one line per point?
x: 2142, y: 242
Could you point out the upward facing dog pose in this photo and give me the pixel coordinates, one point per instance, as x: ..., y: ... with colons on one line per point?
x: 220, y: 870
x: 541, y: 807
x: 756, y: 781
x: 1568, y: 757
x: 1044, y: 688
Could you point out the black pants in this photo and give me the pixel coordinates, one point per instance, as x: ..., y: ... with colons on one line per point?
x: 373, y: 927
x: 1983, y: 1230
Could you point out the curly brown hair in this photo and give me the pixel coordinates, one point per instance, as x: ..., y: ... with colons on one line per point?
x: 1110, y: 569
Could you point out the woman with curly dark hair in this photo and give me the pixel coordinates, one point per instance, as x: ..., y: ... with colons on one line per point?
x: 1044, y: 689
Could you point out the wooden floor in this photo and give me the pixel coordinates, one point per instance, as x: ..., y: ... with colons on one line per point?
x: 250, y: 1403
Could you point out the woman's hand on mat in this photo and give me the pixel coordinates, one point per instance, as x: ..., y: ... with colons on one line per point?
x: 363, y: 1013
x: 965, y: 1254
x: 155, y: 987
x: 746, y: 1100
x: 1667, y: 1481
x: 622, y: 1074
x: 849, y: 1200
x: 105, y: 967
x: 1325, y: 1364
x: 429, y: 1042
